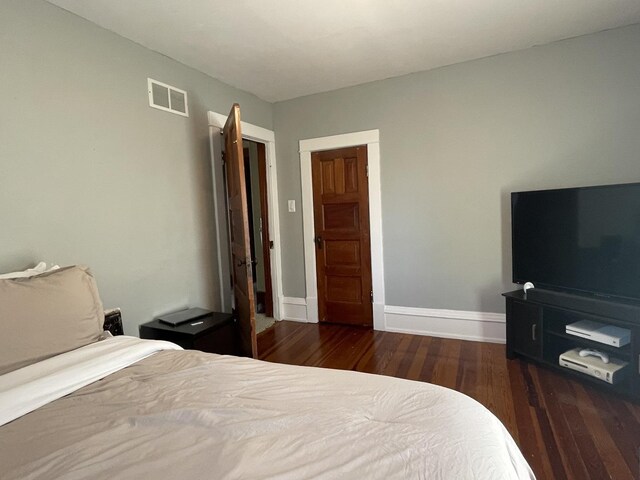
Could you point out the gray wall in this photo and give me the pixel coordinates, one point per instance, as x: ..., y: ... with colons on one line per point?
x: 456, y: 141
x: 89, y: 173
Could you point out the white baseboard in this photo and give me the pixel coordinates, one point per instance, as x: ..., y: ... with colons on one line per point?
x: 459, y: 324
x: 295, y: 309
x: 378, y: 316
x: 312, y: 309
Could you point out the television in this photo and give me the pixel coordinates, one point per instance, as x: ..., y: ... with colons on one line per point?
x: 578, y: 240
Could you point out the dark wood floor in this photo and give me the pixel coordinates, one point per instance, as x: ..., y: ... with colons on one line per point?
x: 566, y: 430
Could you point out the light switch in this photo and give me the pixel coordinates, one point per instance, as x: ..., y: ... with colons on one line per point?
x: 292, y: 205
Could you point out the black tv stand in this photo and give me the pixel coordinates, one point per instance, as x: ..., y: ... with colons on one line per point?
x: 536, y: 323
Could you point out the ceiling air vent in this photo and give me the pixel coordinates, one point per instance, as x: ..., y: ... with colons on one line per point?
x: 167, y: 98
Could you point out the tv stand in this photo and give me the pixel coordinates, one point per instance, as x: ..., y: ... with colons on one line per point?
x: 536, y: 322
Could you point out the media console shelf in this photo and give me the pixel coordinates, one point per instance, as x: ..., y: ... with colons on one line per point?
x: 536, y: 324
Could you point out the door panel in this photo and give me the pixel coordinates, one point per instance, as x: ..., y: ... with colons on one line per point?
x: 344, y: 289
x: 341, y: 216
x: 343, y: 250
x: 239, y: 233
x: 525, y: 337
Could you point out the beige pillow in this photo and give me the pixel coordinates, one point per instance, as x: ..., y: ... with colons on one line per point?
x: 46, y: 315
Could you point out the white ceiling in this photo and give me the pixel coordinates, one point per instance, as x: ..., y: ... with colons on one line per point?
x: 282, y: 49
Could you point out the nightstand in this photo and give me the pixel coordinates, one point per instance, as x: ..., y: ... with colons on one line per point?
x: 214, y: 333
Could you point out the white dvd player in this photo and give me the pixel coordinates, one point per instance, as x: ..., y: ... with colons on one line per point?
x: 610, y: 372
x: 600, y: 332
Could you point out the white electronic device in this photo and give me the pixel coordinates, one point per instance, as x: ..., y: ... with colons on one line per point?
x: 599, y: 332
x: 607, y: 372
x: 586, y: 352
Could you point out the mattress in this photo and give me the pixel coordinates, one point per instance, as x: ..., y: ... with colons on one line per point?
x: 165, y: 413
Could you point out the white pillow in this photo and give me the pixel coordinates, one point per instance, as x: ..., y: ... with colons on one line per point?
x: 29, y: 272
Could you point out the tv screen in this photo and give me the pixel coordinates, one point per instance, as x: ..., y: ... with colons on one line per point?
x: 578, y: 239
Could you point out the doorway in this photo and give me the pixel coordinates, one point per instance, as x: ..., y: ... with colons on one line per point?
x: 266, y: 138
x: 255, y: 170
x: 370, y: 138
x: 341, y: 225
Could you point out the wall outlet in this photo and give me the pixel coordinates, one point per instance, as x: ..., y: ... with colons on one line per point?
x: 292, y: 206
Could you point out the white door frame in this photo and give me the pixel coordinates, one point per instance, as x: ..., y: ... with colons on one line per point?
x: 262, y: 135
x: 370, y: 138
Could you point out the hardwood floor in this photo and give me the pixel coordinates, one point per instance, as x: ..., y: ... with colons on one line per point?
x: 566, y: 430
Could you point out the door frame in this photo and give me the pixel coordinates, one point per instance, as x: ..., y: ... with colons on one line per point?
x: 267, y: 137
x: 370, y: 138
x: 265, y: 234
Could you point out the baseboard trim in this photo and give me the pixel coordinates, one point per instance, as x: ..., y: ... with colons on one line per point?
x: 458, y: 324
x: 295, y: 309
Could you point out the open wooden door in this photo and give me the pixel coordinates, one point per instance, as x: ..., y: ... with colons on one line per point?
x: 239, y: 234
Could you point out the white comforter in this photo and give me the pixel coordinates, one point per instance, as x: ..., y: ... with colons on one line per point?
x: 28, y: 388
x: 184, y: 414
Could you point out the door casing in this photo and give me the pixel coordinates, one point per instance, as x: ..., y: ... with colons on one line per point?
x: 370, y: 138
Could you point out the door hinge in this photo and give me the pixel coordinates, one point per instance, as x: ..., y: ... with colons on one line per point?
x: 224, y: 158
x: 367, y: 169
x: 371, y: 296
x: 271, y: 244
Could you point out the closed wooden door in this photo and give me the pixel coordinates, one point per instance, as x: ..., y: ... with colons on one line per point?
x: 244, y: 307
x: 343, y: 249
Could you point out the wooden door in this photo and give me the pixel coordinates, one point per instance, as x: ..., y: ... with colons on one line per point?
x: 239, y: 234
x: 343, y: 249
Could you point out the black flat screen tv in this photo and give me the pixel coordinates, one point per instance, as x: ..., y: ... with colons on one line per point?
x: 579, y: 240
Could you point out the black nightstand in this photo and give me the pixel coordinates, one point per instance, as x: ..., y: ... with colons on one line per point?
x: 214, y: 333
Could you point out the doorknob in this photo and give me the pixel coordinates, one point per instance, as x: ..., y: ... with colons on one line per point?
x: 318, y: 241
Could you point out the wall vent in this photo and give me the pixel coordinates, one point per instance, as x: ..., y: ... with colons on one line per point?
x: 167, y: 98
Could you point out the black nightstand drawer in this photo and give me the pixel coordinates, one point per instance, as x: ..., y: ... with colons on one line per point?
x: 215, y: 333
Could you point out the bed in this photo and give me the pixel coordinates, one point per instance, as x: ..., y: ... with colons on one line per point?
x: 121, y: 407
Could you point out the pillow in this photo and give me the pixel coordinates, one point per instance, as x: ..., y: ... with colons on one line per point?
x: 47, y: 314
